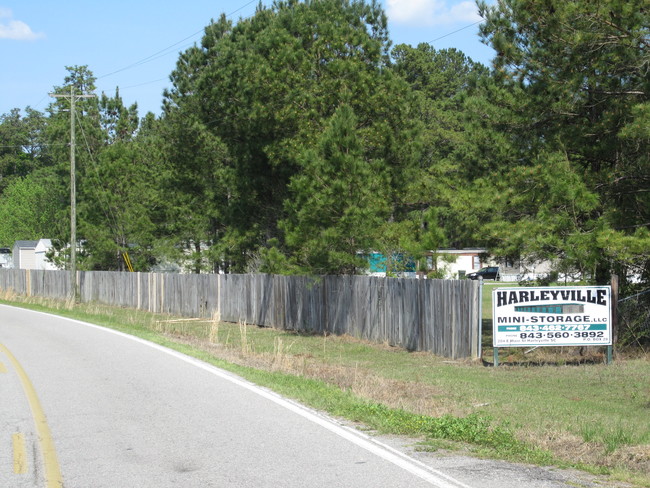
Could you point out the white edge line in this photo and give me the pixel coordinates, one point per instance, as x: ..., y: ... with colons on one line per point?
x: 386, y: 452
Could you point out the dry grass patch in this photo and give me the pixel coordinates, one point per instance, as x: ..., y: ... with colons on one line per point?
x: 411, y: 396
x: 575, y: 450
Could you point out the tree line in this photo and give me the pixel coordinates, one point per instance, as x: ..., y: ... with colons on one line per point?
x: 293, y: 140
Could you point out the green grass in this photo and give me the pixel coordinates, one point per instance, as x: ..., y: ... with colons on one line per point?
x: 544, y: 411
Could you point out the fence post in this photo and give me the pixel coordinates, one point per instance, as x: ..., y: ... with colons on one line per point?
x: 610, y: 349
x: 219, y: 296
x: 480, y: 320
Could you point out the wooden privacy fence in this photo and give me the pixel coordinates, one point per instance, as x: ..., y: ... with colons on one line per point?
x: 49, y: 284
x: 439, y: 316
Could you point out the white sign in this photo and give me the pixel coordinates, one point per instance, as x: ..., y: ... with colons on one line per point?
x: 553, y: 316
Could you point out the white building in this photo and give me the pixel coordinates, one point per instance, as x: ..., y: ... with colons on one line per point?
x: 457, y: 263
x: 32, y: 255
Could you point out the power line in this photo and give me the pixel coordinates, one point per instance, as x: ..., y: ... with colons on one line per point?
x: 149, y: 58
x: 142, y: 84
x: 456, y: 31
x: 165, y: 51
x: 40, y: 101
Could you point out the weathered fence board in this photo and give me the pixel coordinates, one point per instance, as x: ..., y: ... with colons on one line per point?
x: 440, y: 316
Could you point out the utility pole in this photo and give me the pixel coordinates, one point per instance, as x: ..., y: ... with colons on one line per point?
x: 73, y: 190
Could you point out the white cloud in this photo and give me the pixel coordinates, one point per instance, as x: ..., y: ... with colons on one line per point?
x: 16, y: 30
x: 431, y: 12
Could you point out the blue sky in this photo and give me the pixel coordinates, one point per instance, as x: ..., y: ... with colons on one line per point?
x: 134, y: 45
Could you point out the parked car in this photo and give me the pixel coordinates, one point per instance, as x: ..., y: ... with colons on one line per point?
x: 489, y: 273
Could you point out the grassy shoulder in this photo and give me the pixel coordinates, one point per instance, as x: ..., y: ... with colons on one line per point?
x: 556, y: 408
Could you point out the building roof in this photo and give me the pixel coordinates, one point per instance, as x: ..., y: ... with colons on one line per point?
x: 462, y: 251
x: 43, y: 245
x: 26, y: 244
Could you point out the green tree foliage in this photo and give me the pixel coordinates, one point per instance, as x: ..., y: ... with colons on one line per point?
x: 441, y: 82
x: 545, y: 208
x: 21, y: 145
x: 339, y: 201
x: 197, y: 182
x: 118, y: 122
x: 492, y: 142
x: 199, y: 178
x: 33, y: 197
x: 123, y: 206
x: 80, y: 81
x: 266, y: 89
x: 118, y: 182
x: 582, y: 67
x: 29, y: 208
x: 115, y: 208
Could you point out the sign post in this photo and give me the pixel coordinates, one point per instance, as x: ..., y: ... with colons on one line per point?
x: 552, y: 316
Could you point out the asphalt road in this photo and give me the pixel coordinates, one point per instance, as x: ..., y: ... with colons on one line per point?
x: 86, y: 407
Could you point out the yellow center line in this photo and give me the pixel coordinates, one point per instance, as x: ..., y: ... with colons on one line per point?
x: 20, y: 454
x: 3, y: 368
x: 53, y: 478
